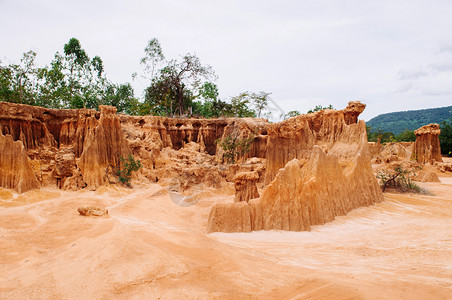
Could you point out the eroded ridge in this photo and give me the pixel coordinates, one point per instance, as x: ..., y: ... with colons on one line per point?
x: 326, y: 172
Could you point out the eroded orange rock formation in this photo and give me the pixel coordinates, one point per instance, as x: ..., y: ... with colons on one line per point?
x: 104, y: 145
x: 245, y: 186
x: 318, y: 167
x: 15, y: 170
x: 426, y: 176
x: 67, y: 144
x: 72, y: 148
x: 92, y: 211
x: 390, y: 152
x: 173, y: 149
x: 295, y: 137
x: 315, y: 166
x: 426, y: 147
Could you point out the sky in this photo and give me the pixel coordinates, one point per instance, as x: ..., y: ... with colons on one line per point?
x: 391, y: 55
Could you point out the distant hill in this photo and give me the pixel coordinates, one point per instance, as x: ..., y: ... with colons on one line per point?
x: 396, y: 122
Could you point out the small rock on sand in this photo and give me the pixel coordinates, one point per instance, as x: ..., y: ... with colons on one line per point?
x: 92, y: 211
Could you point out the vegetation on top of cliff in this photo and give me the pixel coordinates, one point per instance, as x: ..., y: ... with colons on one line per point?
x: 319, y: 108
x: 185, y: 86
x: 294, y: 113
x: 176, y: 87
x: 73, y: 80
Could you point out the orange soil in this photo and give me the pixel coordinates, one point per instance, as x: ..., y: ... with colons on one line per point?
x: 150, y: 247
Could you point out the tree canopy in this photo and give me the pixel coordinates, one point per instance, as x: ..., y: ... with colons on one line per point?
x: 72, y: 80
x: 396, y: 122
x: 445, y: 138
x: 176, y: 87
x: 319, y: 108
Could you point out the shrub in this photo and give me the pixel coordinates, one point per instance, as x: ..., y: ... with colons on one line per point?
x: 399, y: 179
x: 319, y: 108
x: 125, y: 168
x: 233, y: 146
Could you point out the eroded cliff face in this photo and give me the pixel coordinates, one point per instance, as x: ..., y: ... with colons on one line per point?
x: 318, y: 167
x: 295, y: 138
x: 390, y: 152
x: 426, y: 147
x: 15, y: 170
x: 245, y: 184
x: 66, y: 144
x: 172, y: 149
x: 72, y: 148
x: 103, y: 146
x: 314, y: 166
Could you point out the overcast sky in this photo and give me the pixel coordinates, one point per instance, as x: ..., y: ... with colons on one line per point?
x: 391, y: 55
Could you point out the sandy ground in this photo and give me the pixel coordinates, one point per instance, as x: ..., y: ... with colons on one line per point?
x: 149, y: 247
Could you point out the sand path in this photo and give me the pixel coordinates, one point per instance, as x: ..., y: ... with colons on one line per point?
x: 150, y: 247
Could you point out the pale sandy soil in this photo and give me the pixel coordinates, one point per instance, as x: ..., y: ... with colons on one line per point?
x: 148, y: 247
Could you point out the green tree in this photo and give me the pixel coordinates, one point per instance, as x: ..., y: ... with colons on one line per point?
x: 54, y: 90
x: 153, y: 56
x: 125, y: 168
x: 240, y: 106
x: 172, y: 90
x: 445, y: 138
x: 122, y: 97
x: 177, y: 84
x: 406, y: 136
x: 6, y: 90
x: 208, y: 96
x: 209, y: 105
x: 19, y: 82
x: 319, y: 108
x: 209, y: 91
x: 292, y: 113
x: 77, y: 60
x: 84, y: 77
x: 235, y: 147
x: 182, y: 74
x: 260, y: 101
x: 72, y: 80
x: 74, y: 50
x: 379, y: 135
x: 159, y: 98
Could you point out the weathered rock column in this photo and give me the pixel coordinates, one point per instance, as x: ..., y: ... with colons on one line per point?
x: 15, y: 170
x: 318, y: 167
x: 245, y: 186
x: 427, y: 148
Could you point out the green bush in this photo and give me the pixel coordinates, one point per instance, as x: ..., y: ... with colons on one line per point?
x: 233, y: 146
x: 319, y: 108
x: 399, y: 179
x: 125, y: 168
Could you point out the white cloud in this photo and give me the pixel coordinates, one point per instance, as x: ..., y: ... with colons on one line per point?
x: 412, y: 74
x: 304, y: 52
x: 441, y: 67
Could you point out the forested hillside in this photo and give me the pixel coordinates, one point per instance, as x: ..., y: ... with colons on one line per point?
x: 396, y: 122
